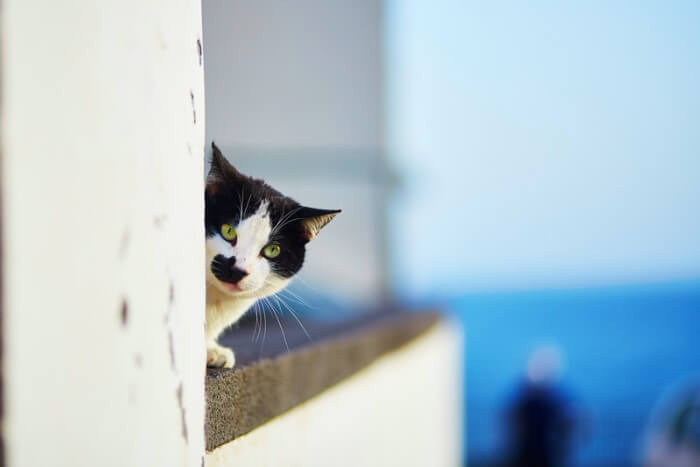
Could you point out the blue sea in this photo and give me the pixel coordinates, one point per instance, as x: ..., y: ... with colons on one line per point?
x: 623, y: 348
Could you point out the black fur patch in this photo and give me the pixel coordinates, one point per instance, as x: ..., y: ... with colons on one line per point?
x: 232, y: 197
x: 225, y: 270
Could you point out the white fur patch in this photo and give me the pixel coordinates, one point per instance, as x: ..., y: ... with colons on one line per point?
x: 252, y: 235
x: 225, y: 306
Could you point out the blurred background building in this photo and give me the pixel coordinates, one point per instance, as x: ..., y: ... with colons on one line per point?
x: 549, y: 159
x: 295, y: 95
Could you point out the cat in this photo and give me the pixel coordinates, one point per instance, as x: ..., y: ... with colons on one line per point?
x: 255, y: 243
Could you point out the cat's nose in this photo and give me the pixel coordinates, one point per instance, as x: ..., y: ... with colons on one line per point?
x: 235, y: 274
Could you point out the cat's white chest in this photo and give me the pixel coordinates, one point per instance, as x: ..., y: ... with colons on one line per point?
x: 222, y: 313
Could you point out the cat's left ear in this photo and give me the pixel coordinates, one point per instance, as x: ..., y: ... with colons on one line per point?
x: 313, y: 220
x: 221, y: 170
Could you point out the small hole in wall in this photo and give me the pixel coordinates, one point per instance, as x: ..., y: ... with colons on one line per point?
x: 124, y: 313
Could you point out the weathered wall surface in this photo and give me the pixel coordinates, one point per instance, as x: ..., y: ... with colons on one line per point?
x: 102, y: 151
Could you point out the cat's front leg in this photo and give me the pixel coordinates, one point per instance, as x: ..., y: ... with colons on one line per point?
x: 220, y: 315
x: 220, y: 356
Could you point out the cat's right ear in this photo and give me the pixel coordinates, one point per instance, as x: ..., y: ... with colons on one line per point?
x: 220, y: 171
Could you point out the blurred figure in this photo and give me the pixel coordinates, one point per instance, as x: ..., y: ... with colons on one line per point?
x: 674, y: 438
x: 540, y: 419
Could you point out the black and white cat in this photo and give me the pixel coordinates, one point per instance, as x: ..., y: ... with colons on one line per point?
x: 255, y: 243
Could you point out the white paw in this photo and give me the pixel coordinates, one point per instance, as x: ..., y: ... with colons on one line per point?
x: 218, y: 356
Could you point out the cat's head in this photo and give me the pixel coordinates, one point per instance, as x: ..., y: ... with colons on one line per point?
x: 255, y: 236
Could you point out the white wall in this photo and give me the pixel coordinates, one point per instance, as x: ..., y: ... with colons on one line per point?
x: 103, y: 233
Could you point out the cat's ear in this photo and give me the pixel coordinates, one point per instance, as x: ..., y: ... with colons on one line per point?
x: 221, y: 170
x: 313, y: 220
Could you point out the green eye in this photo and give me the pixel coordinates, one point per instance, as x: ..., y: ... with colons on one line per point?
x: 228, y: 232
x: 271, y: 251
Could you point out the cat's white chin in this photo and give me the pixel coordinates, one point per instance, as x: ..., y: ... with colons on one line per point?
x: 235, y: 290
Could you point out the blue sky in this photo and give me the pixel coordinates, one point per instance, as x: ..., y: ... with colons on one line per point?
x: 555, y: 145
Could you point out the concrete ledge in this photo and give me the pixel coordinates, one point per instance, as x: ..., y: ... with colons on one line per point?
x: 403, y: 409
x: 271, y: 382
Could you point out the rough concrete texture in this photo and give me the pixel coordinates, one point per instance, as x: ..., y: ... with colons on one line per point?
x: 263, y: 387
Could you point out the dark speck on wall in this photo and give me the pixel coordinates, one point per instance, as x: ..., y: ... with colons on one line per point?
x: 171, y: 349
x: 194, y: 112
x: 124, y: 313
x: 182, y: 411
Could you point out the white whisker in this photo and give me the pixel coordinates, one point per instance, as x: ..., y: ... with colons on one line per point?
x: 289, y: 221
x: 298, y: 299
x: 303, y: 328
x: 240, y: 204
x: 262, y: 343
x: 284, y: 337
x: 283, y: 220
x: 258, y: 325
x: 250, y: 195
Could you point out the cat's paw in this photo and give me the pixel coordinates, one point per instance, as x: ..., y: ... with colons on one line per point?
x: 218, y: 356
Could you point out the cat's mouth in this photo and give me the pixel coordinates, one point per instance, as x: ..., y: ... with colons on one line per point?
x: 228, y: 276
x: 232, y: 287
